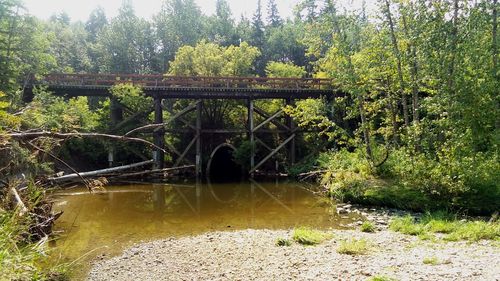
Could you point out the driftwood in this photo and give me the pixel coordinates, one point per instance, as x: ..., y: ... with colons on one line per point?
x: 100, y: 172
x: 307, y: 175
x: 19, y: 202
x: 157, y: 171
x: 33, y: 135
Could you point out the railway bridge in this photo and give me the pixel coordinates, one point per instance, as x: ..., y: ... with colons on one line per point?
x: 196, y: 91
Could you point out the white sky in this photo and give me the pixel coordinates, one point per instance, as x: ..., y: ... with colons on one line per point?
x: 80, y: 9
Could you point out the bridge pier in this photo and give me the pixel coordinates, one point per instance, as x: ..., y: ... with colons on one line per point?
x: 159, y: 135
x: 251, y: 136
x: 291, y: 126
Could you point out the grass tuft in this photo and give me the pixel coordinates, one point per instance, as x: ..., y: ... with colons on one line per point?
x: 431, y: 261
x: 283, y: 242
x: 307, y: 236
x: 367, y: 226
x: 381, y: 278
x: 442, y: 223
x: 353, y: 247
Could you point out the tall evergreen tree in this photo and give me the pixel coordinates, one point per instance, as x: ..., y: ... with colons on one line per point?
x: 273, y: 16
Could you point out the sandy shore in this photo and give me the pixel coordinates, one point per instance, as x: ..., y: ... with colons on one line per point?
x: 253, y: 255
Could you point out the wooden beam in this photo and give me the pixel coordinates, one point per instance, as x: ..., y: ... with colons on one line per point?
x: 185, y: 152
x: 159, y: 135
x: 267, y: 116
x: 251, y: 135
x: 272, y: 154
x: 263, y: 144
x: 199, y: 163
x: 270, y: 119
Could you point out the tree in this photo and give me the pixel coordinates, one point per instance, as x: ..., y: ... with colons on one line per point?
x: 280, y: 69
x: 273, y: 16
x: 179, y: 23
x: 221, y: 25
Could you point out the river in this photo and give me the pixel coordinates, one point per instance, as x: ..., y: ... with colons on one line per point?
x: 103, y: 223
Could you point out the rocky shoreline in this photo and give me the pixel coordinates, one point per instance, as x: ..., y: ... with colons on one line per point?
x: 253, y: 255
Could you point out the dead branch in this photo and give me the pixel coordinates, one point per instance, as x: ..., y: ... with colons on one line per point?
x: 19, y: 202
x: 33, y: 135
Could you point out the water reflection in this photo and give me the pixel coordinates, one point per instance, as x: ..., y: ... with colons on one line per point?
x: 122, y: 215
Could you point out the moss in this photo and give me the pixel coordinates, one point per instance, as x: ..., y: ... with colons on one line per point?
x: 307, y: 236
x: 367, y: 226
x: 353, y: 247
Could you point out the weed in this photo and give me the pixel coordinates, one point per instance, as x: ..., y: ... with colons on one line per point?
x: 367, y: 226
x: 442, y: 223
x: 431, y: 260
x: 353, y: 247
x: 283, y: 242
x: 307, y: 236
x: 381, y: 278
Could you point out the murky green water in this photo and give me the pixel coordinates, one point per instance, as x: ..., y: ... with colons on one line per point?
x: 107, y: 222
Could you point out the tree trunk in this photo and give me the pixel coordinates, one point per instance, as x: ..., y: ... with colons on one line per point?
x: 404, y: 100
x: 364, y: 125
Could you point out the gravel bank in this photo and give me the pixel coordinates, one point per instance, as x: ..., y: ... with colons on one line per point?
x: 252, y: 255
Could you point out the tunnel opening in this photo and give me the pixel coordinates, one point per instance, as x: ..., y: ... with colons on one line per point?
x: 221, y: 167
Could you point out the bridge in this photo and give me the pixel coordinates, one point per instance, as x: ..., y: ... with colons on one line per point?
x: 165, y: 90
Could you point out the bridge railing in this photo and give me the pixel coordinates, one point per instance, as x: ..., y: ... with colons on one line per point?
x: 161, y: 81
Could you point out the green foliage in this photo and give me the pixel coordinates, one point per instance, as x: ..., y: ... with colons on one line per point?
x: 444, y: 223
x: 131, y: 96
x: 283, y: 242
x: 7, y: 121
x: 284, y: 70
x: 353, y: 247
x: 367, y: 226
x: 242, y: 154
x: 53, y: 113
x: 210, y: 59
x: 20, y: 258
x: 308, y: 236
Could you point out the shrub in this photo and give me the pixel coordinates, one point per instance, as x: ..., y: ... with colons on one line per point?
x: 431, y: 260
x: 307, y: 236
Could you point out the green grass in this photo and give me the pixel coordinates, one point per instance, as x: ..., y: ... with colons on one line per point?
x: 353, y: 247
x: 453, y: 229
x: 283, y: 242
x: 308, y: 236
x: 381, y: 278
x: 431, y: 261
x: 367, y: 226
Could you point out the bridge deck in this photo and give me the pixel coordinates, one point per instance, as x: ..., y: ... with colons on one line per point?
x: 190, y: 87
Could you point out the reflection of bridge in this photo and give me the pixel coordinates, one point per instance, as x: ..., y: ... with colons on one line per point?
x: 169, y: 88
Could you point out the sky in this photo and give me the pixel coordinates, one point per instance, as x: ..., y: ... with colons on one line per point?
x: 80, y: 9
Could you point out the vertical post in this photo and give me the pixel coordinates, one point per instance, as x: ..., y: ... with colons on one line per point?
x: 198, y: 140
x: 291, y: 125
x: 116, y: 116
x: 159, y: 135
x: 251, y: 135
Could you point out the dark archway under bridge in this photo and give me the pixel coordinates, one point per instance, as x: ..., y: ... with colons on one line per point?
x: 164, y: 89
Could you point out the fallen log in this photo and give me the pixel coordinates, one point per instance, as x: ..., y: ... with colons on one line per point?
x: 157, y: 171
x: 100, y: 172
